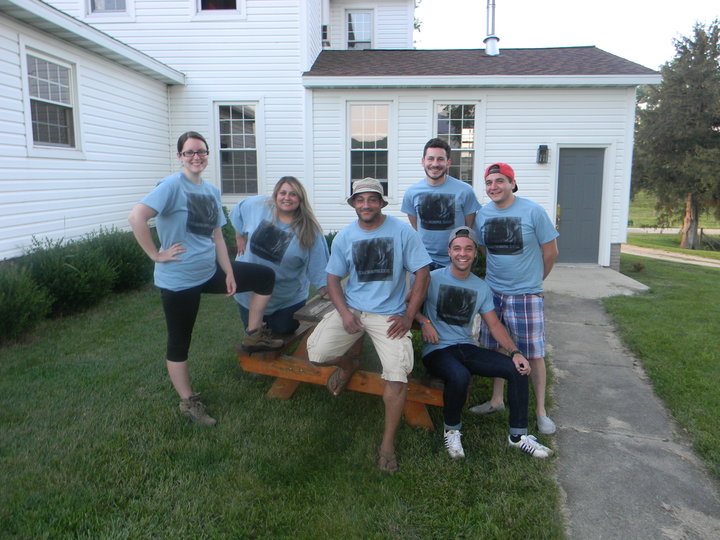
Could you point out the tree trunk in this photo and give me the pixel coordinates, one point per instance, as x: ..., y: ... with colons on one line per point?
x: 690, y: 224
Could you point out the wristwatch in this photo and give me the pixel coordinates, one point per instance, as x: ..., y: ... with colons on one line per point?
x: 513, y: 353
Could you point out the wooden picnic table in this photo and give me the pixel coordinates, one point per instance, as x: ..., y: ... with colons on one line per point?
x: 289, y: 370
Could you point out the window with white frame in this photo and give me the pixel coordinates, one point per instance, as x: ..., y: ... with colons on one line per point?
x: 359, y: 29
x: 455, y: 123
x: 108, y: 6
x: 238, y: 149
x: 209, y: 5
x: 217, y: 9
x: 51, y: 102
x: 369, y: 124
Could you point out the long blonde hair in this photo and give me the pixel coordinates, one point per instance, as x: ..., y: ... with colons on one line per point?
x: 304, y: 223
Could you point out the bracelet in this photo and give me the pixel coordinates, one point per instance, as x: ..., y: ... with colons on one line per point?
x: 513, y: 353
x: 426, y: 321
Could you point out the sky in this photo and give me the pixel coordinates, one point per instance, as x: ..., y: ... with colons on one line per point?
x: 637, y: 30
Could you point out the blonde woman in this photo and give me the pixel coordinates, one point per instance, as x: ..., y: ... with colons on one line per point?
x: 281, y: 232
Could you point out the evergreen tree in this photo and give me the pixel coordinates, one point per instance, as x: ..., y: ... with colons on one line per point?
x: 677, y: 144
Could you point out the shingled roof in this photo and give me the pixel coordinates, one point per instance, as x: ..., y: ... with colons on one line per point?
x: 561, y: 61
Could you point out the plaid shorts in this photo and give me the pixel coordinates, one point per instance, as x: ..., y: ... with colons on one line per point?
x: 523, y: 317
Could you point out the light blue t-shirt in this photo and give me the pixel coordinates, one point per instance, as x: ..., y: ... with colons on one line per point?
x: 376, y: 262
x: 451, y: 305
x: 187, y: 213
x: 275, y: 244
x: 512, y: 237
x: 439, y: 209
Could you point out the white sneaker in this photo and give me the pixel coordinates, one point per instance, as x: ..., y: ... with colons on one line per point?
x: 529, y: 445
x: 453, y: 444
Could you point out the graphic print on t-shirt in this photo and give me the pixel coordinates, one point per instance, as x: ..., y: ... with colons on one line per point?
x: 373, y: 259
x: 455, y: 305
x: 270, y: 242
x: 503, y: 235
x: 202, y: 214
x: 437, y: 211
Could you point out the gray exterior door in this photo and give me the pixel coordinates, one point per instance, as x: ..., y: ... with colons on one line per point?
x: 579, y: 203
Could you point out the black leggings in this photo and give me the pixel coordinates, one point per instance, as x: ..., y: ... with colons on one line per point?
x: 181, y: 307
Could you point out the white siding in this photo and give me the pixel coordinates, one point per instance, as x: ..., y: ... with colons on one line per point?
x: 259, y: 58
x: 75, y: 8
x: 392, y: 27
x: 124, y: 137
x: 313, y: 32
x: 510, y: 124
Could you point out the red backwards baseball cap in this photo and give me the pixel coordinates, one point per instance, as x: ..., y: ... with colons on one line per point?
x: 504, y: 169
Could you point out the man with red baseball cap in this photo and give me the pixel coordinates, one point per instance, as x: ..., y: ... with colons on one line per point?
x: 520, y: 246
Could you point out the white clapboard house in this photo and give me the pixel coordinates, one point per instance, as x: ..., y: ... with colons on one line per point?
x: 95, y: 92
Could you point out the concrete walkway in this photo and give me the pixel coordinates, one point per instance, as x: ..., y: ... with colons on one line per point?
x: 670, y: 256
x: 625, y: 468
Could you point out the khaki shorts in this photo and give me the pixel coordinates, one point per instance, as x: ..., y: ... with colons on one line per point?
x: 329, y: 340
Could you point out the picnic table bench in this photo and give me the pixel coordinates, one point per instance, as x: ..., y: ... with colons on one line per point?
x: 290, y: 370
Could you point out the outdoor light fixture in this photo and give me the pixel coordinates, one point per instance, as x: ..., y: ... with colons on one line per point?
x: 542, y: 154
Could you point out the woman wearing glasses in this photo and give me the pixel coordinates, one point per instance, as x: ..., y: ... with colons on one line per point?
x: 193, y: 259
x: 281, y: 232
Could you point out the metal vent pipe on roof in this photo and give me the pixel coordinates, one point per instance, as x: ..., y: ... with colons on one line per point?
x: 491, y: 41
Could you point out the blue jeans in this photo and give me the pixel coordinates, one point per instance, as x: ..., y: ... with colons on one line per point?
x: 457, y: 363
x: 280, y: 321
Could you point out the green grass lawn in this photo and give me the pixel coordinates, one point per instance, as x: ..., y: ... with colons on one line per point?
x: 673, y: 330
x: 92, y: 446
x: 642, y: 214
x: 671, y: 242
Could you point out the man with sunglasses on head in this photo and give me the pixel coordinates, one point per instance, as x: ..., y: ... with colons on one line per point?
x: 454, y: 297
x: 520, y: 245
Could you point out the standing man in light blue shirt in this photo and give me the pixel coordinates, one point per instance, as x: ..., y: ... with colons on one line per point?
x: 375, y: 253
x: 438, y: 203
x: 520, y: 247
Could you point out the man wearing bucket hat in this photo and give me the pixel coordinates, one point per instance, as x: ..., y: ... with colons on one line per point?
x: 454, y: 296
x: 520, y: 246
x: 438, y: 203
x: 375, y: 252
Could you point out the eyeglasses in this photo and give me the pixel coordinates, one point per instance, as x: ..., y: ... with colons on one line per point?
x: 190, y: 153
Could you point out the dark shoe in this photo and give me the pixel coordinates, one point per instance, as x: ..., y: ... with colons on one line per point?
x: 195, y: 409
x: 487, y: 408
x: 261, y: 340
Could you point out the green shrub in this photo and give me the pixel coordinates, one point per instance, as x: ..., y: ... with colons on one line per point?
x: 710, y: 243
x: 228, y: 232
x: 329, y: 237
x: 75, y: 275
x: 478, y: 267
x: 22, y: 302
x: 133, y: 268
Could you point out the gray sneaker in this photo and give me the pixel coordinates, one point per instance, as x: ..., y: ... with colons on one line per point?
x: 487, y: 408
x: 545, y: 425
x: 262, y: 340
x: 195, y: 409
